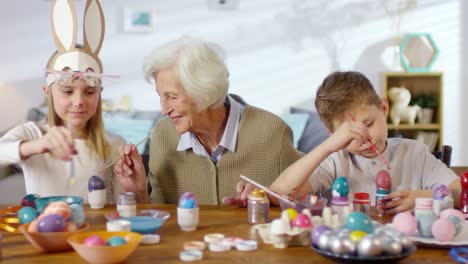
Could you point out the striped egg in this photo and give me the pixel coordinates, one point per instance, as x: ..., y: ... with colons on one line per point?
x: 60, y: 208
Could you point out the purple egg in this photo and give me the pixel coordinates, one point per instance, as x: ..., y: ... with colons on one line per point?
x: 94, y: 240
x: 29, y: 200
x: 95, y: 183
x: 316, y: 232
x: 188, y: 200
x: 52, y: 223
x: 440, y: 192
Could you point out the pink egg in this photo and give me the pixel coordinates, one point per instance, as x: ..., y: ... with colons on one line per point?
x: 445, y: 213
x: 33, y: 226
x: 60, y: 208
x: 405, y: 223
x: 443, y: 230
x: 94, y: 240
x: 302, y: 221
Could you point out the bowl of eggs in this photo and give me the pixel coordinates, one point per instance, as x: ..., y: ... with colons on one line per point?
x: 49, y: 231
x: 42, y: 202
x: 105, y: 247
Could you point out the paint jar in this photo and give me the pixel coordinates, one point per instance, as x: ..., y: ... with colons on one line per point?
x: 362, y: 203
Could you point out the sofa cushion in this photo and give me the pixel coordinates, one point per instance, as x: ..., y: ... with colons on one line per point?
x: 314, y: 132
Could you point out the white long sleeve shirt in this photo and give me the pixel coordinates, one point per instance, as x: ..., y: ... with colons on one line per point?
x: 47, y: 176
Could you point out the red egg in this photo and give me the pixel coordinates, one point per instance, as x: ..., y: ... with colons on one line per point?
x: 302, y: 221
x: 60, y: 208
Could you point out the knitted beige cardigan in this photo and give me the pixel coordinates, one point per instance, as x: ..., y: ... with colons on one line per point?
x: 264, y: 149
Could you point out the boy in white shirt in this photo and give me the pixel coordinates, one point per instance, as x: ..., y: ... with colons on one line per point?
x: 342, y: 98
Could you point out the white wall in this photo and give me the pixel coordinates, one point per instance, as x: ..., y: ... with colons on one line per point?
x: 278, y: 51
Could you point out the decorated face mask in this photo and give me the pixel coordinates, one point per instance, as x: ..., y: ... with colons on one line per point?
x: 69, y: 61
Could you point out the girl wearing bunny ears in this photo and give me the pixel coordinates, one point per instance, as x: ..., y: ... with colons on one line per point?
x: 74, y: 142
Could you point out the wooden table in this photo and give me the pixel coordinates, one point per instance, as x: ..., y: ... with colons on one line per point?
x: 213, y: 219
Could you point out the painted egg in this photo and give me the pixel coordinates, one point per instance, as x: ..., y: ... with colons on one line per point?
x: 33, y: 226
x: 116, y: 241
x: 425, y: 222
x: 317, y: 231
x: 95, y: 183
x: 94, y: 240
x: 458, y: 224
x: 60, y: 208
x: 342, y: 245
x: 359, y: 221
x: 188, y: 200
x: 369, y: 246
x: 51, y: 223
x: 340, y: 187
x: 405, y: 223
x: 291, y: 214
x: 357, y: 235
x: 324, y: 239
x: 383, y: 180
x: 443, y: 230
x: 390, y: 246
x: 27, y: 214
x: 77, y: 215
x: 440, y: 192
x: 29, y: 200
x: 302, y: 221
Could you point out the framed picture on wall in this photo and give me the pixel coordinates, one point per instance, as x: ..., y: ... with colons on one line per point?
x: 139, y: 20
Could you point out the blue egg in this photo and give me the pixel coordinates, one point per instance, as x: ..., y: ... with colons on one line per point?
x: 77, y: 214
x: 188, y: 200
x: 340, y: 187
x: 116, y: 241
x: 27, y: 214
x: 359, y: 221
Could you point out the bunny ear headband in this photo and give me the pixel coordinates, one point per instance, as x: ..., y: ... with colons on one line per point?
x: 70, y: 61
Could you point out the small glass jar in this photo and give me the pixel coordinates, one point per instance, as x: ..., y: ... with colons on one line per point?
x: 258, y: 207
x: 338, y: 203
x: 362, y: 203
x: 126, y: 206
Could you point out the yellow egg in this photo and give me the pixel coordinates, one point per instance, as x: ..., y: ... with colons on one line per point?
x: 357, y: 235
x: 291, y: 213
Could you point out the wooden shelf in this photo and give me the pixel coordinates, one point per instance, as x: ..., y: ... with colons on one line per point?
x: 414, y: 127
x: 418, y: 83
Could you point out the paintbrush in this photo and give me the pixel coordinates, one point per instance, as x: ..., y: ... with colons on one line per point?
x: 372, y: 144
x: 281, y: 197
x: 114, y: 161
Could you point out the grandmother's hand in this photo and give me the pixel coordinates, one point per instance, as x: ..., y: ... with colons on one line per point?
x: 131, y: 173
x: 242, y: 189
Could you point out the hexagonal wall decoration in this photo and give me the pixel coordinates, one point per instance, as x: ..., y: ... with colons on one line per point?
x: 418, y: 52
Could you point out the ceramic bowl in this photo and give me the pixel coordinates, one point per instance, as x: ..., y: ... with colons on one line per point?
x: 42, y: 202
x: 145, y: 222
x: 105, y: 253
x: 315, y: 208
x: 50, y: 241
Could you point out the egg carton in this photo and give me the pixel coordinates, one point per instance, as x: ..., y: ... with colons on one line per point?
x: 282, y: 234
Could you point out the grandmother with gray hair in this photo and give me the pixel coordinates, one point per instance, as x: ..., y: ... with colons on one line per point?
x: 208, y: 137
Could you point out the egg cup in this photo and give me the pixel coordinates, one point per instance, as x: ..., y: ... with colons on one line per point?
x: 188, y: 218
x: 97, y: 198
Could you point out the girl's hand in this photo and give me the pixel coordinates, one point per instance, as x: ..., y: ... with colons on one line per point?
x: 58, y: 142
x: 399, y: 201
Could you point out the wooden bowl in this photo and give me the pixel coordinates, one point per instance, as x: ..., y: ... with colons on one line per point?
x: 50, y: 241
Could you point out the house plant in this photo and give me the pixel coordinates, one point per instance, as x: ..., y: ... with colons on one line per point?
x: 428, y: 103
